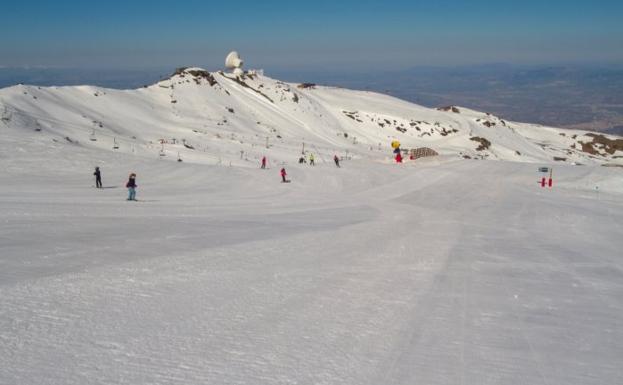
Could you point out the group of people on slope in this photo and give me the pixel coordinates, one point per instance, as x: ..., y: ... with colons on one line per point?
x: 130, y: 184
x: 283, y: 173
x: 312, y: 160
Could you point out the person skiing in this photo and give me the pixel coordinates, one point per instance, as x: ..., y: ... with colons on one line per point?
x: 98, y: 177
x: 131, y: 185
x: 263, y: 162
x: 283, y: 175
x: 336, y: 160
x: 311, y: 160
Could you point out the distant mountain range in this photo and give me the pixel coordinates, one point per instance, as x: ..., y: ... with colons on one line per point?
x: 214, y: 117
x: 589, y: 97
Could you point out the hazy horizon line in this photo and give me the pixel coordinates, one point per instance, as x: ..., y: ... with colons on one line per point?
x: 319, y: 67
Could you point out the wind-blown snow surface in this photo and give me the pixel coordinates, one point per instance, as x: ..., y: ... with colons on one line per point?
x: 438, y: 271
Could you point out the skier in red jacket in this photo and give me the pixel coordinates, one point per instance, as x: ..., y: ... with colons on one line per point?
x: 263, y: 162
x: 283, y: 175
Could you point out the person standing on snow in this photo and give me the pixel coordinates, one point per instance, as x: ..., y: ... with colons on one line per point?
x: 263, y: 162
x: 336, y: 160
x: 131, y: 185
x: 98, y: 177
x: 283, y: 175
x: 311, y: 160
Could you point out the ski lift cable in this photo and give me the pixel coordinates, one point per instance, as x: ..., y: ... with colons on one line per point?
x: 132, y: 143
x: 276, y: 144
x: 59, y: 121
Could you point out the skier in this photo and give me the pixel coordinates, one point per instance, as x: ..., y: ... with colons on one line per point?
x: 301, y: 160
x: 98, y: 177
x: 131, y: 185
x: 311, y: 160
x: 336, y: 160
x: 283, y: 175
x: 263, y: 162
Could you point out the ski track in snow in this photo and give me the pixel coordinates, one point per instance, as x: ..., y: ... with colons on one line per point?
x: 459, y: 272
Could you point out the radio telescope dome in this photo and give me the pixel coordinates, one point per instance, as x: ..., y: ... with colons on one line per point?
x: 233, y: 61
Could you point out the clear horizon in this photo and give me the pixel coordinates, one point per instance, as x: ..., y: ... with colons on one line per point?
x: 351, y: 35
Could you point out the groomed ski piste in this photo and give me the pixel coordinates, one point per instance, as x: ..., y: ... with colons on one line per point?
x: 453, y: 269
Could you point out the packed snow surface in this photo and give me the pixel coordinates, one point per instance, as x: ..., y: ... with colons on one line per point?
x: 443, y: 270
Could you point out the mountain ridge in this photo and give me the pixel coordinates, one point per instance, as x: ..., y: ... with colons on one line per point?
x: 204, y: 117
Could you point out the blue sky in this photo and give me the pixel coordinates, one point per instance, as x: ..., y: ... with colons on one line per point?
x: 318, y: 34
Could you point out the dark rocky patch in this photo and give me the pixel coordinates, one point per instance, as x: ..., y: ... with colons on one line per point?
x: 484, y: 143
x: 450, y: 108
x: 201, y: 74
x: 609, y: 145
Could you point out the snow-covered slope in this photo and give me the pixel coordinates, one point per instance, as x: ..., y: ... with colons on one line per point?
x: 440, y: 271
x: 454, y: 272
x: 217, y: 117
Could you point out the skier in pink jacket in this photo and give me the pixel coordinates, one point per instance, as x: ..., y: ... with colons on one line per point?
x: 283, y: 175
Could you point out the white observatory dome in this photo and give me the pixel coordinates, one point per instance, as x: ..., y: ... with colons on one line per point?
x: 233, y: 61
